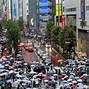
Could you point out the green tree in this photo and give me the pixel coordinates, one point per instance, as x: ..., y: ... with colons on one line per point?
x: 3, y: 24
x: 21, y: 24
x: 50, y: 27
x: 68, y: 39
x: 12, y: 34
x: 56, y: 34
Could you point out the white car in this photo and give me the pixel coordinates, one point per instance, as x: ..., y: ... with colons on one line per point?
x: 48, y: 61
x: 44, y: 56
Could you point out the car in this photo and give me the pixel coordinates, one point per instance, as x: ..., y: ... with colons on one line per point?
x: 30, y: 49
x: 44, y: 56
x: 48, y: 61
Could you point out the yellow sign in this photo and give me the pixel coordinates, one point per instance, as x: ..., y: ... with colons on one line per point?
x: 58, y: 10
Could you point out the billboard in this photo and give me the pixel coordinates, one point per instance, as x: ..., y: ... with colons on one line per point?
x: 44, y: 9
x: 20, y: 8
x: 14, y: 9
x: 0, y: 10
x: 58, y: 7
x: 82, y: 7
x: 44, y: 1
x: 4, y: 8
x: 58, y: 10
x: 63, y: 21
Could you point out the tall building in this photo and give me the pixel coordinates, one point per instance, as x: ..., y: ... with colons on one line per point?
x: 25, y: 10
x: 45, y: 12
x: 3, y: 9
x: 77, y: 11
x: 32, y: 14
x: 16, y: 9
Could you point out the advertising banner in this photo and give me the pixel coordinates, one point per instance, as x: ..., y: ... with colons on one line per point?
x: 58, y: 10
x: 82, y: 7
x: 63, y: 21
x: 14, y: 8
x: 20, y: 7
x: 0, y: 10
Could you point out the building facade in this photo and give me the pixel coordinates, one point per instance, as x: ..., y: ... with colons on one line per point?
x: 45, y: 12
x: 77, y: 11
x: 14, y: 9
x: 32, y: 14
x: 25, y: 10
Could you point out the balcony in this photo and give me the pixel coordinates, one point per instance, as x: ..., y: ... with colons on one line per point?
x: 45, y: 4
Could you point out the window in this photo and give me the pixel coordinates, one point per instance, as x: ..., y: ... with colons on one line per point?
x: 87, y: 7
x: 70, y: 9
x: 27, y: 4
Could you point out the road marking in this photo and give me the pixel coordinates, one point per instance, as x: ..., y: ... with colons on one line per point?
x: 37, y: 56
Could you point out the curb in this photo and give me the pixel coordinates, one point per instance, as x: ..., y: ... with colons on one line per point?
x: 58, y: 53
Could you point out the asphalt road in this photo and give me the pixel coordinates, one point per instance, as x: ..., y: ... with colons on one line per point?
x: 30, y: 57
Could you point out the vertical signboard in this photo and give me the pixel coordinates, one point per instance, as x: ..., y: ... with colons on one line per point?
x: 9, y: 9
x: 58, y: 8
x: 63, y: 21
x: 4, y: 8
x: 0, y: 10
x: 58, y: 11
x: 14, y: 9
x: 20, y: 7
x: 82, y: 7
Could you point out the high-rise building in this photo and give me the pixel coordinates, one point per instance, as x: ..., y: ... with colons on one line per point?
x: 77, y: 11
x: 25, y: 10
x: 14, y: 9
x: 32, y: 14
x: 45, y: 12
x: 3, y: 9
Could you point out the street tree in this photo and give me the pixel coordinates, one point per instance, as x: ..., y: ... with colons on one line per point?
x: 50, y: 27
x: 68, y: 39
x: 57, y: 34
x: 12, y: 34
x: 21, y: 24
x: 3, y: 24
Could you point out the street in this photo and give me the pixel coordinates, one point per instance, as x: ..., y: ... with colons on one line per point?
x: 30, y: 57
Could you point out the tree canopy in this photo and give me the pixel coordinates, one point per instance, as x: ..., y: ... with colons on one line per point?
x: 12, y: 34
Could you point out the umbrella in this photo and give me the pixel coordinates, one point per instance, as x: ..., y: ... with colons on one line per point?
x: 76, y: 78
x: 25, y: 64
x: 74, y: 81
x: 1, y: 66
x: 32, y: 72
x: 46, y: 77
x: 79, y: 80
x: 55, y: 74
x: 69, y: 80
x: 11, y: 72
x: 45, y: 81
x: 6, y: 64
x: 66, y: 76
x: 19, y: 76
x: 85, y: 74
x: 56, y: 67
x: 64, y: 81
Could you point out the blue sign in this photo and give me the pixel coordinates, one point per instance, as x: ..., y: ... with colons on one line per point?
x: 44, y: 0
x: 14, y: 8
x: 82, y: 9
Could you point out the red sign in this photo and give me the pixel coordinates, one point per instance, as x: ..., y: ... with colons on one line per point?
x: 63, y: 21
